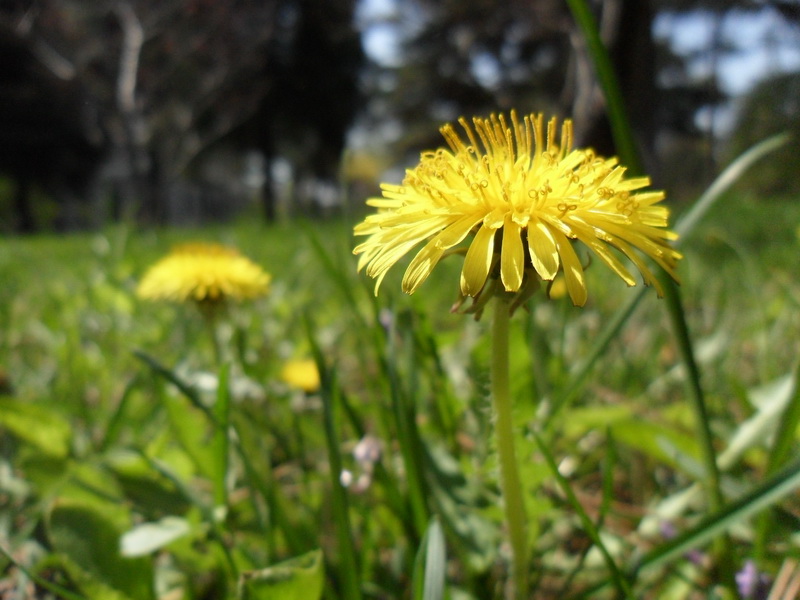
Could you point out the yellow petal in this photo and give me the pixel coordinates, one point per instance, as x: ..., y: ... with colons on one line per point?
x: 573, y: 271
x: 458, y: 230
x: 542, y: 248
x: 512, y: 257
x: 426, y: 259
x: 477, y: 262
x: 421, y: 266
x: 589, y: 236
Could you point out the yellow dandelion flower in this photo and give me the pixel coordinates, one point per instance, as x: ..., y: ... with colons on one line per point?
x: 301, y: 374
x: 525, y: 195
x: 204, y: 273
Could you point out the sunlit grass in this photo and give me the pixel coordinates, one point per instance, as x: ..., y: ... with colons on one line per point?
x: 115, y: 438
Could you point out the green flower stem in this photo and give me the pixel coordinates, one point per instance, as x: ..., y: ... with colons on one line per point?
x: 516, y: 520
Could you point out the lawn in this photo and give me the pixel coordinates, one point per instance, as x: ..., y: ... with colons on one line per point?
x: 137, y: 464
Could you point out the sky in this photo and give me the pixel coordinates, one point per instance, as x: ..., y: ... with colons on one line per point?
x: 766, y: 44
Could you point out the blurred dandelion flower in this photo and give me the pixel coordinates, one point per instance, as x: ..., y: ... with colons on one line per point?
x: 301, y: 374
x: 524, y: 195
x: 204, y: 273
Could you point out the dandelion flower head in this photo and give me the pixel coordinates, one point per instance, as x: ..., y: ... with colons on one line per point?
x: 302, y: 374
x: 205, y: 273
x: 524, y: 195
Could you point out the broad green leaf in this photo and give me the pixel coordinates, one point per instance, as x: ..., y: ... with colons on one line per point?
x: 771, y: 401
x: 36, y: 425
x: 191, y: 429
x: 299, y: 578
x: 89, y: 541
x: 145, y: 486
x: 659, y: 440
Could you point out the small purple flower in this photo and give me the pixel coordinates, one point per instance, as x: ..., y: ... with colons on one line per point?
x: 752, y: 584
x: 668, y: 530
x: 386, y: 319
x: 368, y: 451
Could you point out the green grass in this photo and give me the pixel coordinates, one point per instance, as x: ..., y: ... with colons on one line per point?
x: 98, y: 439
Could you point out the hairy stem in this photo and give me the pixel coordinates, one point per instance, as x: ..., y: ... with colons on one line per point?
x: 516, y: 520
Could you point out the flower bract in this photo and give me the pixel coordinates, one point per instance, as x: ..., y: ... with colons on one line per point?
x: 522, y: 195
x: 203, y: 273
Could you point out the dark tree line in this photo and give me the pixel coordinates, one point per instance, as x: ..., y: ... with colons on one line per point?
x: 125, y: 103
x: 536, y: 59
x: 138, y: 93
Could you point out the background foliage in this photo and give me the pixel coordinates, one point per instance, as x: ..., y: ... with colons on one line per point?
x: 135, y: 464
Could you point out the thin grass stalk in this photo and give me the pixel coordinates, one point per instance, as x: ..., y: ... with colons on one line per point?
x: 780, y: 452
x: 221, y: 439
x: 772, y: 490
x: 297, y: 536
x: 415, y: 517
x: 116, y: 423
x: 215, y: 530
x: 685, y: 227
x: 696, y: 394
x: 510, y: 485
x: 52, y: 587
x: 609, y: 462
x: 618, y: 578
x: 349, y: 573
x: 623, y: 136
x: 604, y: 68
x: 711, y: 483
x: 408, y: 439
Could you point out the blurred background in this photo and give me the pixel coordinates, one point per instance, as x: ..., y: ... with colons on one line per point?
x: 173, y: 112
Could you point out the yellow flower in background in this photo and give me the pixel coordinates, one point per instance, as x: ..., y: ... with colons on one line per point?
x: 524, y: 195
x: 205, y: 273
x: 301, y: 374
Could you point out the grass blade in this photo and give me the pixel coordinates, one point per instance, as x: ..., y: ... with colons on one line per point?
x: 768, y: 493
x: 430, y: 564
x: 781, y: 447
x: 617, y: 116
x: 685, y: 227
x: 620, y: 581
x: 787, y: 428
x: 725, y: 180
x: 51, y: 587
x: 221, y: 439
x: 348, y: 569
x: 696, y: 395
x: 170, y: 376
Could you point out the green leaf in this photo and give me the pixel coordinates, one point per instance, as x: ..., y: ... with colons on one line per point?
x: 658, y: 440
x: 430, y: 565
x: 36, y: 425
x: 149, y: 537
x: 299, y: 578
x: 348, y: 569
x: 89, y: 543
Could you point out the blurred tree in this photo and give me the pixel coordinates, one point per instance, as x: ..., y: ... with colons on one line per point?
x: 772, y: 107
x: 463, y: 58
x: 313, y: 69
x: 172, y: 78
x: 50, y: 136
x: 476, y: 57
